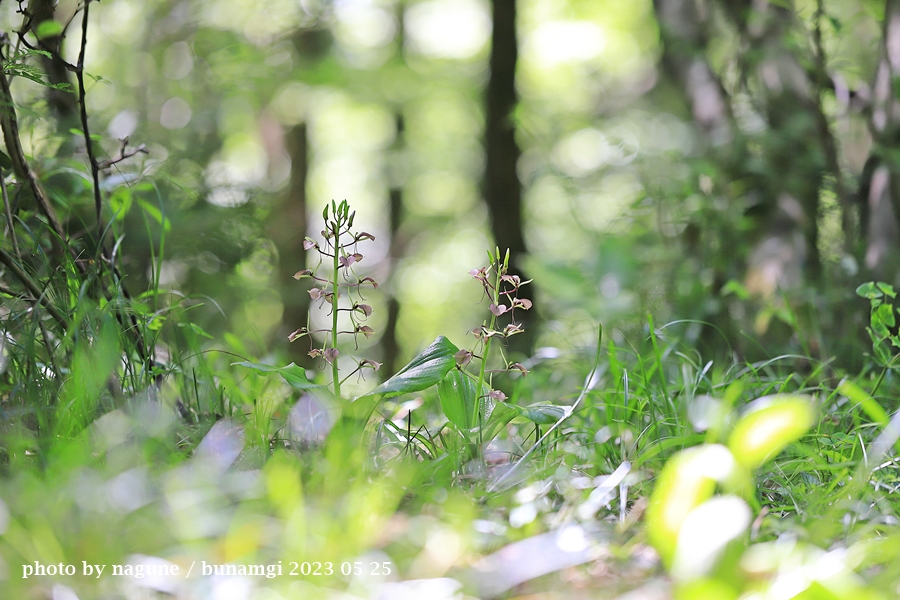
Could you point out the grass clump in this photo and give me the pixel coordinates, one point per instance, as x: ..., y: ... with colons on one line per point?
x: 602, y: 467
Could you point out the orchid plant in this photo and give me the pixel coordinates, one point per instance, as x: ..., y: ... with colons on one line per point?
x: 341, y: 251
x: 464, y: 381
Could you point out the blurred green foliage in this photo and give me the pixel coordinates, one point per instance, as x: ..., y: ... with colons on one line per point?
x: 709, y: 180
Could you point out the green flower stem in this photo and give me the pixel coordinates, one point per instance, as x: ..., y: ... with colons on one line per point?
x: 335, y: 375
x: 495, y: 299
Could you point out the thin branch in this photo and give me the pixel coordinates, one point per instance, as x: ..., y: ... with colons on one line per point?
x: 123, y: 155
x: 89, y: 146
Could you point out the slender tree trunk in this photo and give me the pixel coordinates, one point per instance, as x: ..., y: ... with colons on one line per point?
x: 289, y: 220
x: 288, y: 229
x: 389, y: 344
x: 502, y: 188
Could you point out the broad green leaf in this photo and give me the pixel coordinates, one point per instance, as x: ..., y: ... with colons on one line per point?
x: 772, y: 423
x: 887, y: 288
x: 79, y: 133
x: 427, y: 369
x: 457, y: 394
x: 424, y: 371
x: 868, y: 290
x: 687, y: 481
x: 5, y: 161
x: 543, y: 414
x: 838, y: 26
x: 839, y: 439
x: 295, y: 376
x: 705, y: 588
x: 156, y: 322
x: 283, y: 483
x: 737, y: 288
x: 869, y: 405
x: 881, y: 349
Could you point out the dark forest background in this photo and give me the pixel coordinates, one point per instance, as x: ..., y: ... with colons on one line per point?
x: 731, y: 166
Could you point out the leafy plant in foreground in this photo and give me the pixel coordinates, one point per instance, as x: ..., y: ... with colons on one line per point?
x: 696, y: 531
x: 882, y: 322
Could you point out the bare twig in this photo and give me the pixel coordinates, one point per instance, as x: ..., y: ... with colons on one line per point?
x: 123, y: 155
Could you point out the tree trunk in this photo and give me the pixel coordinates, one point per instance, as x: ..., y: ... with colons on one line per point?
x: 288, y: 229
x: 389, y: 344
x: 502, y: 188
